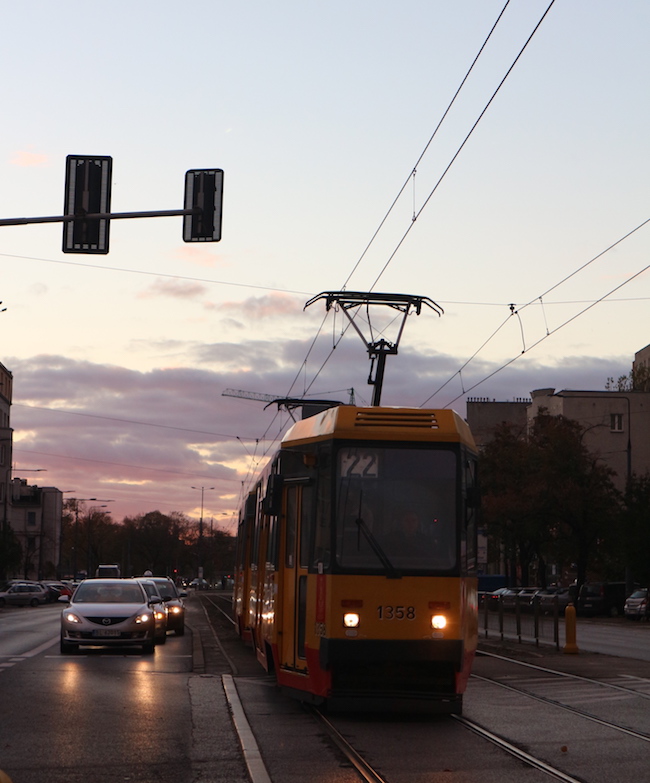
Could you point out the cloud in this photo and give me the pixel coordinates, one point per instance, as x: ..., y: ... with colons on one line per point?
x: 28, y: 159
x: 143, y: 439
x: 270, y: 305
x: 176, y: 289
x: 199, y: 255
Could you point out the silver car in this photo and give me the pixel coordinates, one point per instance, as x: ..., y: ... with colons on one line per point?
x: 637, y: 606
x: 23, y: 594
x: 108, y: 612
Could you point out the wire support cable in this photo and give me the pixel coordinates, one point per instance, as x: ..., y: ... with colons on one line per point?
x: 549, y: 332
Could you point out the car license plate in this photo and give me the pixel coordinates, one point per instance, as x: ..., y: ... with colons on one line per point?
x: 106, y: 632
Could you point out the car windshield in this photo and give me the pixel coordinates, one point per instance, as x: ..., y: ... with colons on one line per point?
x: 639, y: 594
x: 89, y: 593
x: 396, y: 507
x: 166, y: 588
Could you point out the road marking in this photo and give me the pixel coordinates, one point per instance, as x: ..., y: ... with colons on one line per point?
x: 249, y: 746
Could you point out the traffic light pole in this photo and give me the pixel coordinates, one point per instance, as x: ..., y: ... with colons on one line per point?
x: 99, y: 216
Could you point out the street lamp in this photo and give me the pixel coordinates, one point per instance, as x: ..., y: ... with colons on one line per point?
x: 200, y: 543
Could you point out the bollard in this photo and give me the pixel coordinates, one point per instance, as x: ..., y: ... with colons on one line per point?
x: 570, y: 630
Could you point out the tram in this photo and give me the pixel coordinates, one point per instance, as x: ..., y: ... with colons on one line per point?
x: 355, y: 576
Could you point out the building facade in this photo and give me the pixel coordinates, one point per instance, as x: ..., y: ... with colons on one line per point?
x: 29, y: 514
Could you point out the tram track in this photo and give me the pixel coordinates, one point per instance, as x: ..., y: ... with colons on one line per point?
x: 369, y: 774
x: 554, y: 702
x: 366, y: 747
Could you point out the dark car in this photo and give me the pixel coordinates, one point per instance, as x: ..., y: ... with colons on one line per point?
x: 56, y: 590
x: 174, y: 601
x: 602, y: 598
x: 521, y: 597
x: 108, y: 612
x: 637, y: 606
x: 160, y: 611
x: 494, y: 598
x: 555, y: 596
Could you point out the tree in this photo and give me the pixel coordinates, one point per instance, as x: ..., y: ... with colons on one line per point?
x: 638, y: 379
x: 549, y: 499
x: 11, y: 553
x: 637, y: 527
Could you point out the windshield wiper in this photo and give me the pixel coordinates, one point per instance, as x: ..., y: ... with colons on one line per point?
x: 391, y: 573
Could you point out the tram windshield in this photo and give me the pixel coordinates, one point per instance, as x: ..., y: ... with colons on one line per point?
x: 396, y: 508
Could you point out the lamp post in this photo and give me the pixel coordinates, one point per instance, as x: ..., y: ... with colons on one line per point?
x: 199, y: 549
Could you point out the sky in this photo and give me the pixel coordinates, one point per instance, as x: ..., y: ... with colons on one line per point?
x: 518, y: 206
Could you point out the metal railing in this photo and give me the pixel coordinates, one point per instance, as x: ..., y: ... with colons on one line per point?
x: 520, y: 620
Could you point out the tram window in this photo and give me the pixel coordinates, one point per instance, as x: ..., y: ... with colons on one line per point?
x: 396, y: 507
x: 272, y: 543
x: 323, y: 526
x: 471, y: 513
x: 290, y: 527
x: 306, y: 525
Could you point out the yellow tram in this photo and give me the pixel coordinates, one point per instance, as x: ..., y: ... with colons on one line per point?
x: 356, y: 560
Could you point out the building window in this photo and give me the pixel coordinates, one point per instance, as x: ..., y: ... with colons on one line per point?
x: 31, y: 518
x: 616, y: 422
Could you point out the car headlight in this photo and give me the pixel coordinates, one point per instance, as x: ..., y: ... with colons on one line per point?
x: 143, y: 618
x: 159, y: 615
x: 174, y: 610
x: 71, y: 618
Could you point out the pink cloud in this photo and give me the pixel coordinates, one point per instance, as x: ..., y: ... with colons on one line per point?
x: 27, y: 158
x: 177, y: 289
x: 270, y: 305
x: 199, y: 256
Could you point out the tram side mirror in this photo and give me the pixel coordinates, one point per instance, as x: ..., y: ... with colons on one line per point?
x: 272, y: 503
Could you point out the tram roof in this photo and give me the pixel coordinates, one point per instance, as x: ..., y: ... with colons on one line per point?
x: 381, y: 423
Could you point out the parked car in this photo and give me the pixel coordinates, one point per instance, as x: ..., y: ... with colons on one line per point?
x: 160, y: 611
x: 602, y: 598
x: 494, y: 597
x: 56, y: 590
x: 552, y: 596
x: 521, y: 596
x: 23, y: 594
x: 108, y: 612
x: 637, y: 605
x: 174, y: 602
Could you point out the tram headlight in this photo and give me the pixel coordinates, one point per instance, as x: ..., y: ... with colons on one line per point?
x: 351, y: 620
x: 438, y: 622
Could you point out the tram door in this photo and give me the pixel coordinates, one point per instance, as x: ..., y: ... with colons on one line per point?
x: 294, y: 602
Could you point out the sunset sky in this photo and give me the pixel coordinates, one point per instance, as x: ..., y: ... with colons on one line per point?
x: 530, y: 204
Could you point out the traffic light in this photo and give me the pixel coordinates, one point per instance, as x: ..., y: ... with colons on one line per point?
x: 203, y: 189
x: 87, y: 191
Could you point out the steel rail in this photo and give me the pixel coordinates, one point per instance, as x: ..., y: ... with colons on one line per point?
x: 513, y: 750
x: 361, y: 766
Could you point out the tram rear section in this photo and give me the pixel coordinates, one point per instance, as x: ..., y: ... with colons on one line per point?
x: 356, y: 564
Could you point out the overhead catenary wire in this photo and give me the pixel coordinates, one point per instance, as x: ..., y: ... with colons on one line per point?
x: 426, y: 147
x: 460, y: 148
x: 446, y: 170
x: 541, y: 340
